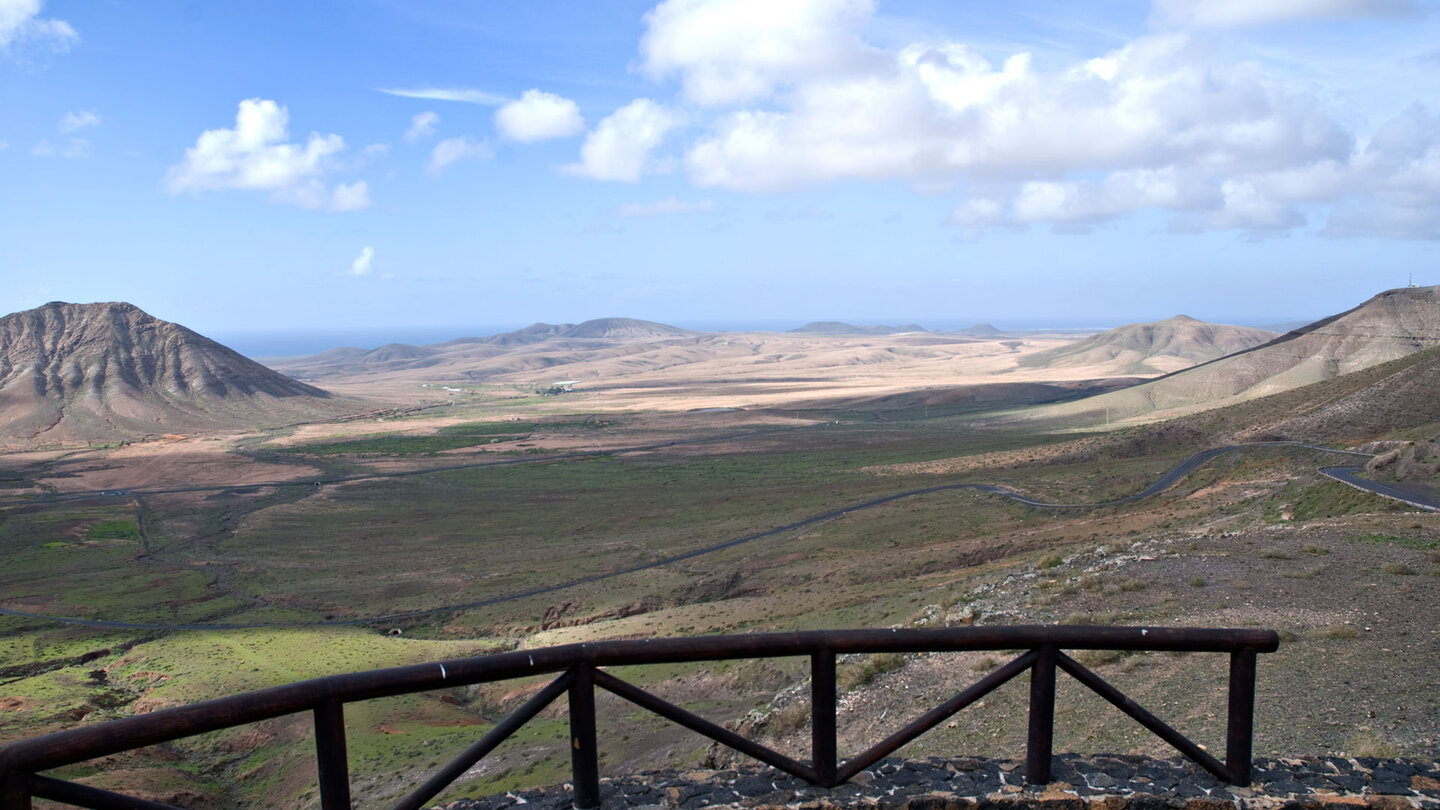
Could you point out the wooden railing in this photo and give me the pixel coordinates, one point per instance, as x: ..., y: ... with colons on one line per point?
x: 22, y: 764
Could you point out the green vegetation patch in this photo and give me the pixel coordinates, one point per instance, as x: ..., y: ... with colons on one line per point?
x: 1396, y: 540
x: 113, y: 530
x: 1326, y: 499
x: 485, y: 429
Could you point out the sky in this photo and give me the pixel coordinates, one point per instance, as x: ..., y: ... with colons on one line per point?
x: 452, y: 168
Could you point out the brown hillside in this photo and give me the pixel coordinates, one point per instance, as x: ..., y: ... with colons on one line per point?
x: 1390, y: 326
x: 110, y: 371
x: 1153, y: 348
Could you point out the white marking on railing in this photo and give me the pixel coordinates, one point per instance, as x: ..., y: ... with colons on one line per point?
x: 443, y: 676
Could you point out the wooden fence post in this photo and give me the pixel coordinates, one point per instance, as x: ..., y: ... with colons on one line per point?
x: 1240, y: 725
x: 1042, y: 716
x: 822, y: 716
x: 584, y: 754
x: 330, y: 755
x: 14, y: 791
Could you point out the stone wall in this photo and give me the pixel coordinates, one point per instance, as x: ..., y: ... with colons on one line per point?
x: 1088, y: 783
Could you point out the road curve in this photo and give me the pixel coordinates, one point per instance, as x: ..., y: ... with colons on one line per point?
x: 1174, y: 474
x: 1348, y: 475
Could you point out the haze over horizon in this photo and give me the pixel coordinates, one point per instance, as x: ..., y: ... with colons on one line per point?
x: 455, y: 169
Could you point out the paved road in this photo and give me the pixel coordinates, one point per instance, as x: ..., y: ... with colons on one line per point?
x: 1344, y: 474
x: 1348, y: 475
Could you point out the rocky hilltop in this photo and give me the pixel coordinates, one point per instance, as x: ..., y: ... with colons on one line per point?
x: 111, y: 371
x: 1154, y: 348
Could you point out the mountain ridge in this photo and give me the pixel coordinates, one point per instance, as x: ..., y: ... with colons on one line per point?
x: 1156, y: 347
x: 1390, y: 325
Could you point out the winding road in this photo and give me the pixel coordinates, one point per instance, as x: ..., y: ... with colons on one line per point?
x: 1344, y: 474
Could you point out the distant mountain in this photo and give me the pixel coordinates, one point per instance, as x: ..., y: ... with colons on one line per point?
x: 979, y: 330
x: 624, y: 329
x: 108, y: 371
x: 1153, y: 348
x: 537, y: 346
x: 842, y: 328
x: 1390, y: 326
x: 534, y: 333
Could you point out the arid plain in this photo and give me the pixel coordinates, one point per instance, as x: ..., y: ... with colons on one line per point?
x: 443, y: 482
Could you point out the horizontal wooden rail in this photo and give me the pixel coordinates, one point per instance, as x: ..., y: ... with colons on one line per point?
x: 22, y: 763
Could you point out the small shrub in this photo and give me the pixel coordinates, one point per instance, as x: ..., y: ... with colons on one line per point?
x: 1051, y: 560
x: 1097, y: 658
x: 1366, y: 743
x: 1275, y: 554
x: 858, y: 674
x: 1198, y: 582
x: 984, y: 664
x: 1336, y: 631
x: 1133, y: 663
x: 1311, y: 548
x: 1304, y: 573
x: 791, y: 718
x: 1433, y: 556
x: 1398, y: 569
x: 1129, y: 584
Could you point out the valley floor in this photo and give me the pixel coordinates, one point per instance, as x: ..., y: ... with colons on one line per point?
x: 314, y: 535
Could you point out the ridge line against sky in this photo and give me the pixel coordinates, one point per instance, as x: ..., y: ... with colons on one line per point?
x: 376, y: 164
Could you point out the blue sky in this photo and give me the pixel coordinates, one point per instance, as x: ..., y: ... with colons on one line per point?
x: 463, y: 167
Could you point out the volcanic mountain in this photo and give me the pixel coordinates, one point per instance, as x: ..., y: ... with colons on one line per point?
x: 1153, y: 348
x: 1390, y: 326
x: 110, y: 371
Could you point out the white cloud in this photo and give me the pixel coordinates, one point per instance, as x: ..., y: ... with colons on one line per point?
x: 1238, y: 13
x: 448, y: 94
x: 1161, y: 124
x: 1165, y: 123
x: 619, y: 147
x: 73, y: 120
x: 1393, y: 181
x: 20, y: 24
x: 538, y: 115
x: 943, y: 111
x: 73, y: 148
x: 734, y: 51
x: 350, y: 197
x: 422, y: 126
x: 373, y: 152
x: 453, y: 149
x: 659, y: 208
x: 361, y: 265
x: 257, y: 156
